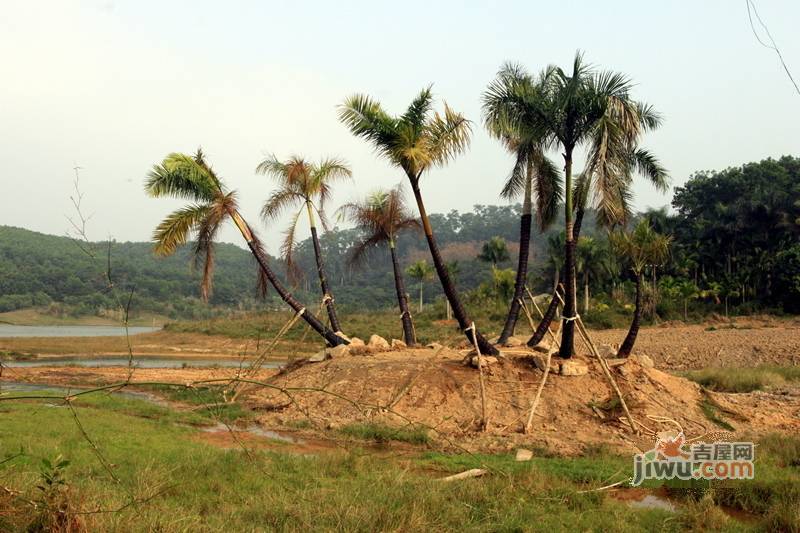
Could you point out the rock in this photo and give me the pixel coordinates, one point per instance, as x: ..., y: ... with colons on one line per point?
x: 544, y: 346
x: 318, y: 357
x: 494, y: 340
x: 513, y: 342
x: 624, y: 371
x: 486, y: 360
x: 645, y: 360
x: 607, y: 351
x: 433, y: 346
x: 523, y: 455
x: 342, y: 335
x: 397, y: 344
x: 355, y: 341
x: 339, y: 351
x: 378, y: 342
x: 573, y: 368
x: 616, y: 361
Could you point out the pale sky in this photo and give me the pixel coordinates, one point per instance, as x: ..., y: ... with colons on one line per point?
x: 113, y: 86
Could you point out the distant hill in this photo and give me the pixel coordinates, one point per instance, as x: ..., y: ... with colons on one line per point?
x: 53, y: 271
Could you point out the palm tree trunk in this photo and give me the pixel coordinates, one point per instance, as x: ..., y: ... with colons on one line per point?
x: 522, y: 275
x: 586, y: 292
x: 630, y: 338
x: 444, y: 277
x: 550, y: 313
x: 332, y: 338
x: 570, y: 296
x: 399, y: 285
x: 323, y: 281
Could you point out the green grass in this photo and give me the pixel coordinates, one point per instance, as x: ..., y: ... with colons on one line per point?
x: 201, y: 488
x: 712, y: 412
x: 382, y: 433
x: 744, y: 379
x: 197, y: 487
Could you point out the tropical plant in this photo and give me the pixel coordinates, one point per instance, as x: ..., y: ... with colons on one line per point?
x: 567, y: 111
x: 420, y: 271
x: 494, y: 251
x: 589, y: 263
x: 416, y: 141
x: 193, y: 179
x: 381, y: 217
x: 638, y: 248
x: 307, y: 185
x: 533, y: 175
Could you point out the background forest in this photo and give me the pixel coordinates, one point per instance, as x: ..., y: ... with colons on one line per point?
x: 735, y: 249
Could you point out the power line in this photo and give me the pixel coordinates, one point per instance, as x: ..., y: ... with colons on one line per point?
x: 772, y: 46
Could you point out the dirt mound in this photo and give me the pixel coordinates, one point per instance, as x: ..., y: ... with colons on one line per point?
x: 435, y: 389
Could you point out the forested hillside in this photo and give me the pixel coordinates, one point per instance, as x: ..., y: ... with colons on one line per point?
x: 735, y: 243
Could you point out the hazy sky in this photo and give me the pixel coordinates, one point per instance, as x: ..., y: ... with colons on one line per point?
x: 114, y: 86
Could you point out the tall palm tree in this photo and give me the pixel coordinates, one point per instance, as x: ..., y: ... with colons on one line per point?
x: 381, y: 217
x: 416, y: 141
x: 533, y: 175
x: 192, y: 178
x: 307, y: 185
x: 420, y: 271
x: 584, y: 108
x: 640, y: 247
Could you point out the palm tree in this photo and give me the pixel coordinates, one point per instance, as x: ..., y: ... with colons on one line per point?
x: 307, y: 185
x: 191, y: 178
x: 416, y: 141
x: 453, y: 270
x: 640, y: 247
x: 420, y: 271
x: 381, y: 217
x: 494, y: 251
x: 589, y: 262
x: 567, y: 111
x: 532, y: 174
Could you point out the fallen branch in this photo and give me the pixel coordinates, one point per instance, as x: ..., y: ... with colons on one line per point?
x: 475, y: 472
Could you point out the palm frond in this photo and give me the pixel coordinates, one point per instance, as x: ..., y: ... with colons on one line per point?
x: 278, y: 202
x: 648, y: 166
x: 288, y: 246
x: 449, y: 136
x: 174, y: 230
x: 181, y: 176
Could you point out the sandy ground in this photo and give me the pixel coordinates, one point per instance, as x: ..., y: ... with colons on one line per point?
x: 436, y: 390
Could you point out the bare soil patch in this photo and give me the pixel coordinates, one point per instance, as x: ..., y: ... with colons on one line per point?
x: 435, y: 389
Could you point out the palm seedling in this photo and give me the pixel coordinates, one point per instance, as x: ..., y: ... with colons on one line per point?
x: 193, y: 179
x: 420, y: 271
x: 307, y: 186
x: 416, y: 141
x: 381, y: 217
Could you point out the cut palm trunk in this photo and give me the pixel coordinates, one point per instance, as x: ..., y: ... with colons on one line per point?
x: 466, y: 325
x: 630, y: 338
x: 327, y: 296
x: 329, y: 335
x: 402, y: 301
x: 519, y: 283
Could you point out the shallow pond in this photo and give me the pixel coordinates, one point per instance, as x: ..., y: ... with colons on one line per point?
x: 139, y: 362
x: 10, y: 330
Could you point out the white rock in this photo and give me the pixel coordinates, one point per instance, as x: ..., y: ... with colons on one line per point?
x: 523, y: 455
x: 355, y: 341
x: 376, y: 341
x: 616, y: 361
x: 339, y: 351
x: 318, y: 357
x: 397, y: 344
x: 342, y: 335
x: 486, y: 360
x: 573, y: 368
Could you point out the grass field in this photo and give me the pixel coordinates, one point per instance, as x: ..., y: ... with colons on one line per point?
x: 170, y: 480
